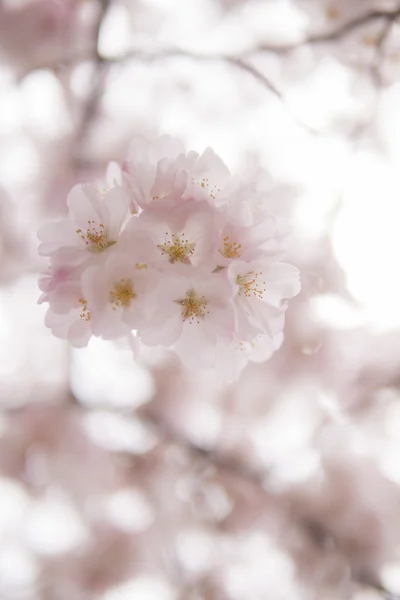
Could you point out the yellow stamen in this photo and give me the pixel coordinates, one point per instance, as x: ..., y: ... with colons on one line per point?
x: 230, y: 249
x: 193, y: 306
x: 95, y: 237
x: 332, y: 12
x: 249, y: 286
x: 85, y: 314
x: 122, y: 294
x: 205, y: 184
x: 178, y: 248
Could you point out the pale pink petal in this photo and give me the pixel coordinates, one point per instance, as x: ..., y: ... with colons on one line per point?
x: 79, y: 334
x: 80, y: 207
x: 117, y: 203
x: 282, y: 279
x: 269, y: 318
x: 163, y: 329
x: 195, y: 349
x: 56, y: 235
x: 230, y: 360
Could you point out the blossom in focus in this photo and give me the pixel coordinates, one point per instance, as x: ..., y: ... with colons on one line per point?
x: 117, y: 290
x: 231, y: 358
x: 93, y: 225
x: 176, y: 251
x: 194, y: 313
x: 163, y: 171
x: 182, y: 235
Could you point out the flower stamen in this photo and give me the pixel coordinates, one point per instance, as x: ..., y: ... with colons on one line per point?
x: 122, y: 294
x: 193, y: 307
x: 178, y: 248
x: 95, y: 237
x: 230, y: 249
x: 85, y: 314
x: 249, y: 286
x: 205, y: 184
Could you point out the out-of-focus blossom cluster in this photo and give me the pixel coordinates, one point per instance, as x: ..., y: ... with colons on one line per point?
x: 175, y: 251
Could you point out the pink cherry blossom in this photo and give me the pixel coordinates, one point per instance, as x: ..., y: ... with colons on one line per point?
x: 93, y: 225
x: 246, y: 244
x: 74, y: 326
x: 261, y: 288
x: 163, y: 172
x: 194, y: 313
x: 117, y: 292
x: 232, y: 358
x: 184, y: 234
x: 68, y: 315
x: 151, y: 172
x: 55, y: 284
x: 176, y: 251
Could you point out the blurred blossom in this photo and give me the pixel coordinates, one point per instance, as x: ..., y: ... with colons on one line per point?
x: 143, y: 588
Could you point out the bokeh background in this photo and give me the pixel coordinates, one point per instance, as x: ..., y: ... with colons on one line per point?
x: 126, y: 481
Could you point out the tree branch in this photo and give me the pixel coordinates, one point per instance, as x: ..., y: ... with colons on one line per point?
x: 332, y: 35
x: 93, y: 99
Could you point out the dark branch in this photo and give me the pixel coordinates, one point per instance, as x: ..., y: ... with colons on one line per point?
x: 93, y: 99
x: 332, y: 35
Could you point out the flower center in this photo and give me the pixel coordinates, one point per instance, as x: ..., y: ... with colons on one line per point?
x: 205, y: 184
x: 244, y: 345
x: 178, y: 249
x: 85, y: 314
x: 122, y: 294
x: 332, y: 12
x: 193, y: 306
x: 249, y: 285
x: 230, y: 249
x: 95, y: 237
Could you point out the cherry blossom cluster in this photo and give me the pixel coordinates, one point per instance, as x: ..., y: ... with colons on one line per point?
x: 175, y: 251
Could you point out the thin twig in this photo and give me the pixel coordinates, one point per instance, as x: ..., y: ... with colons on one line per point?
x: 329, y: 36
x: 236, y: 61
x: 90, y: 106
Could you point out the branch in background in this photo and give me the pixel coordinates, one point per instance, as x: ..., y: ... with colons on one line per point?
x: 330, y: 36
x: 352, y: 25
x: 316, y: 533
x: 240, y: 62
x: 90, y: 106
x: 236, y: 61
x: 224, y: 462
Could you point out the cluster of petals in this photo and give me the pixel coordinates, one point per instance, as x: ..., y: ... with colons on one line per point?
x: 175, y: 252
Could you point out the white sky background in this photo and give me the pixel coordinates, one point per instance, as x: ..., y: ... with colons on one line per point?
x: 331, y: 151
